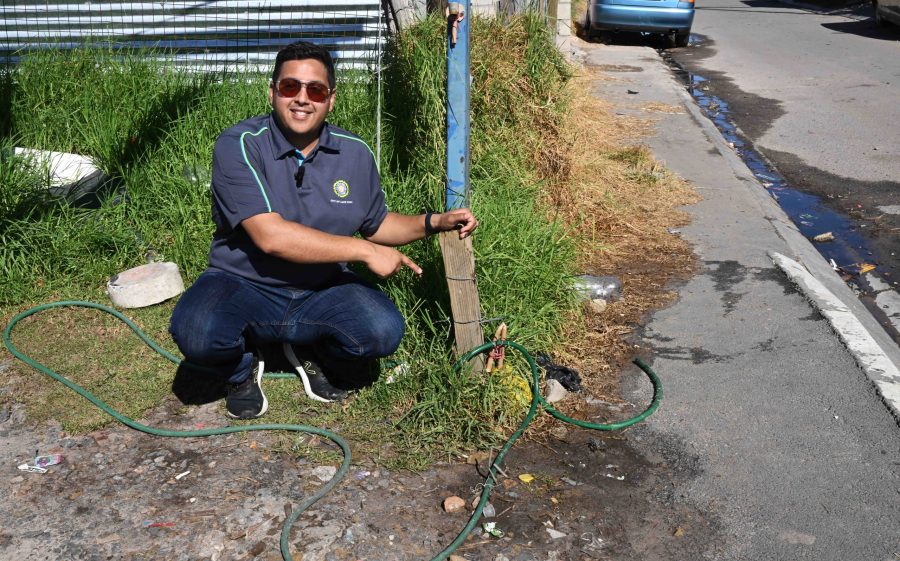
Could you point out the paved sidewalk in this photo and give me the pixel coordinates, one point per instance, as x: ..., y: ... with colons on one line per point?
x: 792, y: 449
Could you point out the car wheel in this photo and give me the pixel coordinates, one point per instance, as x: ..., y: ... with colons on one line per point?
x: 681, y: 39
x: 879, y: 19
x: 605, y: 37
x: 589, y: 32
x: 671, y: 40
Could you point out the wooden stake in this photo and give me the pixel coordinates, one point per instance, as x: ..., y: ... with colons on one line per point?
x: 459, y: 268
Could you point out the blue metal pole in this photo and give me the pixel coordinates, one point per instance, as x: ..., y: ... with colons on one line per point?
x: 458, y: 108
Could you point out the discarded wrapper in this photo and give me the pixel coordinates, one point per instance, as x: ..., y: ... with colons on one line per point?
x: 49, y: 460
x: 41, y: 463
x: 489, y: 511
x: 569, y: 378
x: 397, y: 372
x: 826, y: 237
x: 492, y: 529
x: 152, y: 524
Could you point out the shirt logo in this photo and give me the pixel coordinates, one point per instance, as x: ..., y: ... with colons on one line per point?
x: 341, y: 188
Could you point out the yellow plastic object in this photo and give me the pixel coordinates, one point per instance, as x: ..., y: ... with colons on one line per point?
x: 514, y: 385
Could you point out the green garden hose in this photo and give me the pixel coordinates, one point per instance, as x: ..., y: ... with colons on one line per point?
x: 536, y: 400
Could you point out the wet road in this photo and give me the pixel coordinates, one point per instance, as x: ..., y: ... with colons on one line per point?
x: 788, y: 450
x: 816, y: 92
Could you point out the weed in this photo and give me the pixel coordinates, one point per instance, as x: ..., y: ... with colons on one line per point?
x: 20, y: 195
x: 152, y: 129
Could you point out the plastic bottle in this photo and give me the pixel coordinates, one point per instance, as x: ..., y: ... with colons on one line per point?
x: 606, y: 288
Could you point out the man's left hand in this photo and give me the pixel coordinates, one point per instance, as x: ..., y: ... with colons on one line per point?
x: 460, y: 219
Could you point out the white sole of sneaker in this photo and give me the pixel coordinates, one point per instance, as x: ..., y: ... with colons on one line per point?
x: 258, y: 382
x: 295, y: 362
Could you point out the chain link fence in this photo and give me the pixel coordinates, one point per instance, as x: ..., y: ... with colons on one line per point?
x: 215, y: 35
x: 209, y: 35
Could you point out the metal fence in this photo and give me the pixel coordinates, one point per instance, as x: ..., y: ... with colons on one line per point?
x: 208, y: 35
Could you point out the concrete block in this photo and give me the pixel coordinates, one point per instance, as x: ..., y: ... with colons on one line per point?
x: 564, y: 18
x: 145, y: 285
x: 484, y: 8
x: 409, y: 11
x: 555, y: 391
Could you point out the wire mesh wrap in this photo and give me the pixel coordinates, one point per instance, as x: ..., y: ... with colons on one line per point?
x: 207, y: 35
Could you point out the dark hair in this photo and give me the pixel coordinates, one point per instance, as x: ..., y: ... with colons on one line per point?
x: 301, y: 50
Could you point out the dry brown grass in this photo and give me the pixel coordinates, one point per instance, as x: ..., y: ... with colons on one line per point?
x: 656, y: 107
x: 620, y: 203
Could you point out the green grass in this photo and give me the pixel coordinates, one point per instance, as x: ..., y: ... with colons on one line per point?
x: 99, y: 353
x: 152, y: 130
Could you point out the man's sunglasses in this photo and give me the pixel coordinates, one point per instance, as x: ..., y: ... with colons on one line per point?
x: 290, y: 87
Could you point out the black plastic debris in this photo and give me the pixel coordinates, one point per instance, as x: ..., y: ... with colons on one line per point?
x: 566, y: 376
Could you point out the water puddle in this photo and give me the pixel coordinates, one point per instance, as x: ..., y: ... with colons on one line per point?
x: 849, y: 251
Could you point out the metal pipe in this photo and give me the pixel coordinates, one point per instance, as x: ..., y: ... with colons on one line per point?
x: 458, y: 191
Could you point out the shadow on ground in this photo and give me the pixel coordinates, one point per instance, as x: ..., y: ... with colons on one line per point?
x: 865, y: 28
x: 631, y: 39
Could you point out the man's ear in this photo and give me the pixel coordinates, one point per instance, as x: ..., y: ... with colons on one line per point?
x: 271, y: 94
x: 331, y: 99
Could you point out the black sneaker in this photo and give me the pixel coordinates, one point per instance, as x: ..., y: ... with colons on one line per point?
x: 315, y: 383
x: 246, y: 400
x: 352, y: 375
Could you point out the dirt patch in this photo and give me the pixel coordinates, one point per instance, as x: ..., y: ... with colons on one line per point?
x: 619, y: 199
x: 121, y: 494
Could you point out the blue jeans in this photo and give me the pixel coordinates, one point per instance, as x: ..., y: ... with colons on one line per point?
x: 347, y: 322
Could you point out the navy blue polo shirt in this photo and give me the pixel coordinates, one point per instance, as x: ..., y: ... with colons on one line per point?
x: 255, y: 171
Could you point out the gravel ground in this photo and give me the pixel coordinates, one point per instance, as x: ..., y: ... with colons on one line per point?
x: 121, y: 494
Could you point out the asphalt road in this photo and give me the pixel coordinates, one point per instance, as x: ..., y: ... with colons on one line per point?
x: 789, y: 450
x: 817, y: 92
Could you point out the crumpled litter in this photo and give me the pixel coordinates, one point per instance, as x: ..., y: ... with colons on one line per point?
x: 566, y: 376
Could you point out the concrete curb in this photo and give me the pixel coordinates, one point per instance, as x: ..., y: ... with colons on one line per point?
x: 874, y: 350
x: 875, y: 363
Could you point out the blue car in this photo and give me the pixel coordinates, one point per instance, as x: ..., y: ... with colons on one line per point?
x: 672, y: 18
